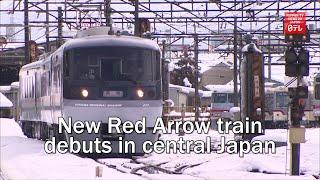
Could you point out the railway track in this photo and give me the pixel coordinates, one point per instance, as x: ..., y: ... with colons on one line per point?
x: 135, y: 166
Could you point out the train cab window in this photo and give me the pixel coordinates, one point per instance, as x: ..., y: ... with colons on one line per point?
x: 269, y: 101
x: 282, y: 99
x: 220, y: 98
x: 317, y: 91
x: 115, y: 64
x: 110, y: 69
x: 230, y: 97
x: 118, y: 68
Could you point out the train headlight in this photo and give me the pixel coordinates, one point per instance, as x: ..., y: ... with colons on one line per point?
x: 84, y: 93
x: 140, y: 93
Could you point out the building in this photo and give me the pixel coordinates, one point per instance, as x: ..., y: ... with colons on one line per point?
x: 219, y: 74
x: 12, y: 59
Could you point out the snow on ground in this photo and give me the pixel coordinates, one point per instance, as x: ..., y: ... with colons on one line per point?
x: 4, y: 101
x: 23, y: 158
x: 8, y: 127
x: 231, y: 166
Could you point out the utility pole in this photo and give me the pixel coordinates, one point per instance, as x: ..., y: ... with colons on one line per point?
x: 107, y: 12
x: 165, y: 79
x: 27, y: 58
x: 196, y: 82
x: 269, y: 52
x: 47, y: 28
x: 60, y: 16
x: 295, y: 123
x: 136, y: 18
x: 296, y: 132
x: 235, y: 62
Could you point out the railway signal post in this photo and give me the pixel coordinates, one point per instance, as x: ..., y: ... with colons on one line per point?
x: 252, y: 86
x: 297, y: 65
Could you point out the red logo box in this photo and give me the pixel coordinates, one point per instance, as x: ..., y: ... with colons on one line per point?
x: 294, y: 23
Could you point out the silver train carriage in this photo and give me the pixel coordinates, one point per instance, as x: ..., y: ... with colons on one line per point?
x: 91, y: 79
x: 316, y: 103
x: 276, y: 104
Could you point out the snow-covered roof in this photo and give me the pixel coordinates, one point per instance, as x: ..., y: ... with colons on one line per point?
x: 208, y: 60
x: 4, y: 101
x: 188, y: 90
x: 206, y: 93
x: 5, y: 88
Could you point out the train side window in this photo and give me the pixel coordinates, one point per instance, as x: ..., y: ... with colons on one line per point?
x: 49, y: 78
x: 66, y: 64
x: 32, y: 87
x: 26, y: 88
x: 27, y: 92
x: 59, y: 76
x: 50, y: 71
x: 158, y: 73
x: 317, y: 91
x: 23, y: 88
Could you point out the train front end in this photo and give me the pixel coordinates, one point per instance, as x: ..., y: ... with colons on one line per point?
x: 112, y: 76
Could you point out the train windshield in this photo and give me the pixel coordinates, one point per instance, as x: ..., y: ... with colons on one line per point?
x: 269, y: 102
x: 230, y: 97
x: 282, y: 99
x: 219, y: 97
x: 113, y: 64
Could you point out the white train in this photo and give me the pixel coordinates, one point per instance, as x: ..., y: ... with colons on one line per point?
x: 316, y: 101
x: 90, y: 79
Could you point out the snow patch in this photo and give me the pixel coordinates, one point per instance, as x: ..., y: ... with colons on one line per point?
x: 4, y: 101
x: 8, y: 127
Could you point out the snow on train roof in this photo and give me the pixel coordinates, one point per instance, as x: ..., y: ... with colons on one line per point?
x: 33, y: 64
x: 4, y: 101
x: 15, y: 84
x: 108, y: 40
x: 220, y: 88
